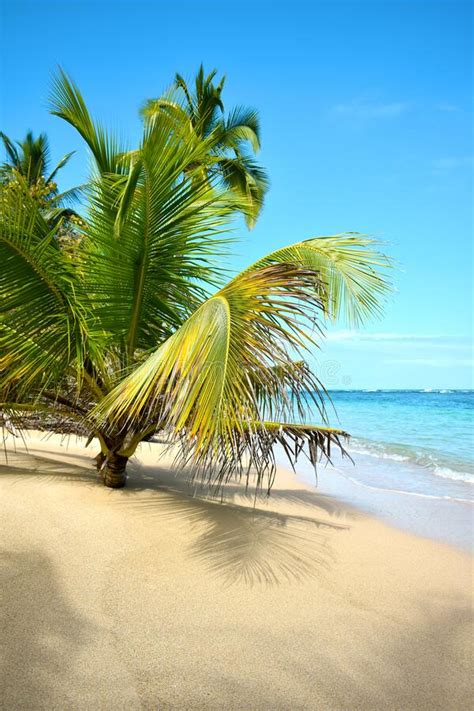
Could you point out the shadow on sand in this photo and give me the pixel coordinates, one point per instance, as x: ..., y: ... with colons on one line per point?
x: 41, y: 632
x: 238, y: 538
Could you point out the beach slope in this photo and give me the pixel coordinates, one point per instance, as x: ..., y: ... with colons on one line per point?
x: 150, y: 598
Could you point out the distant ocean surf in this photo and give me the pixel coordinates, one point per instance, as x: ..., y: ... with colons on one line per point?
x: 418, y: 442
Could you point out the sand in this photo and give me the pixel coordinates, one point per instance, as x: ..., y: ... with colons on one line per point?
x: 147, y: 598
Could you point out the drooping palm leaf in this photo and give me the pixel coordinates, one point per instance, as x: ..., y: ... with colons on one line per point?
x: 351, y: 271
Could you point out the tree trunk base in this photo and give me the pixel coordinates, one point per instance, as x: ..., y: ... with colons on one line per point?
x: 113, y: 472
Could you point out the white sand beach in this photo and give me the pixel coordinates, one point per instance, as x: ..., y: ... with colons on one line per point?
x: 150, y: 598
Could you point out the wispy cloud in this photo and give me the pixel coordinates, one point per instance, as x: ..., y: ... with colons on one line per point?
x: 406, y: 346
x: 360, y: 336
x: 434, y: 362
x: 365, y: 110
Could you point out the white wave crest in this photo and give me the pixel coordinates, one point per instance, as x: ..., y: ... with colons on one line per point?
x: 447, y: 473
x: 380, y: 455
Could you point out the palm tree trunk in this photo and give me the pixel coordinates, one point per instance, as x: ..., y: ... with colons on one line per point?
x: 99, y: 460
x: 113, y: 471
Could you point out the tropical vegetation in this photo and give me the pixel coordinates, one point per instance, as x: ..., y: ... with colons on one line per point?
x: 139, y: 329
x: 27, y: 167
x: 231, y: 139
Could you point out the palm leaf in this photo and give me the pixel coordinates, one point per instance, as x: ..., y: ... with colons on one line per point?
x: 246, y: 178
x: 66, y: 101
x: 351, y: 272
x: 12, y: 152
x: 153, y: 240
x: 242, y: 124
x: 42, y: 333
x: 60, y: 165
x: 254, y: 453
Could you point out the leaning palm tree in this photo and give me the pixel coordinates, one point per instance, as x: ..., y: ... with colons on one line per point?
x: 231, y: 140
x: 142, y: 332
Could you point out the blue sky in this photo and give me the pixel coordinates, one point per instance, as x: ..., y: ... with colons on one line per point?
x: 366, y: 120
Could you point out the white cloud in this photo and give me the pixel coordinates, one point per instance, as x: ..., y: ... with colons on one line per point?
x: 434, y: 362
x: 360, y: 109
x: 361, y: 336
x: 405, y: 345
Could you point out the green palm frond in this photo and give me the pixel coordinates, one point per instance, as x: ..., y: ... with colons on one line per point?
x: 10, y: 149
x: 154, y: 108
x: 351, y: 271
x: 68, y: 197
x: 65, y: 159
x: 42, y: 323
x: 67, y: 102
x: 247, y: 179
x: 242, y: 125
x: 153, y: 242
x: 198, y: 116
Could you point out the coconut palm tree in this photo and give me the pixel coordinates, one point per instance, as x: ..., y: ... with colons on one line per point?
x: 29, y: 161
x: 142, y: 332
x: 231, y: 139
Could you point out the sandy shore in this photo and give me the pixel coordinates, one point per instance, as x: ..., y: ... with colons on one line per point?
x: 148, y: 598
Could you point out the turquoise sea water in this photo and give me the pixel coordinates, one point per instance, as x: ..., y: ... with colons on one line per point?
x: 429, y: 433
x: 413, y: 459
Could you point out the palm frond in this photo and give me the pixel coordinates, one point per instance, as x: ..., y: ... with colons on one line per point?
x: 242, y: 124
x: 60, y: 165
x: 66, y: 101
x: 247, y: 179
x: 168, y: 105
x: 42, y: 323
x: 69, y: 197
x: 154, y: 237
x: 12, y: 152
x: 351, y: 269
x: 254, y: 456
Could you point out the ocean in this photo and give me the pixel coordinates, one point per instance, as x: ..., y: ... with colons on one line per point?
x: 412, y: 454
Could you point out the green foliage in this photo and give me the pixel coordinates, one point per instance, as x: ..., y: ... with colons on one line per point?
x: 27, y: 170
x: 199, y: 116
x: 135, y: 328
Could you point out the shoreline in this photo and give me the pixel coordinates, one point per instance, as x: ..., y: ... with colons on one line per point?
x: 444, y: 519
x: 149, y: 597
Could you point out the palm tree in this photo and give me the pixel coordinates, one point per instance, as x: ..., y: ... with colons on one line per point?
x: 231, y: 139
x: 140, y: 333
x: 29, y: 162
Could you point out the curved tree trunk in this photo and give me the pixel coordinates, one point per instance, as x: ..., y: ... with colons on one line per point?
x: 113, y: 471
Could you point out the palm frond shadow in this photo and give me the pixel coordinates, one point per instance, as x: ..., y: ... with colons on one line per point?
x: 29, y: 465
x: 233, y: 541
x: 240, y: 544
x: 314, y: 499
